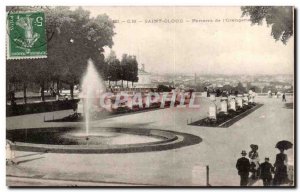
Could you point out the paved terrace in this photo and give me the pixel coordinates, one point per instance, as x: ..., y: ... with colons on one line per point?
x: 220, y: 149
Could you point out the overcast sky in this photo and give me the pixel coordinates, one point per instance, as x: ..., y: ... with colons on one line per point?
x: 205, y: 48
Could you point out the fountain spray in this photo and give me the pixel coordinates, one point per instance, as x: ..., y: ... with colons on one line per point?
x: 92, y: 86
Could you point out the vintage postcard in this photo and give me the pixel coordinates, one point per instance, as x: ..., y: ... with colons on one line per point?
x: 150, y: 96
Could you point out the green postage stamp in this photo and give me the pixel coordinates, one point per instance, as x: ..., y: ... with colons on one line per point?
x: 26, y: 35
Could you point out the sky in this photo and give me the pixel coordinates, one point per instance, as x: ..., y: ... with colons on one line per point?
x: 223, y: 47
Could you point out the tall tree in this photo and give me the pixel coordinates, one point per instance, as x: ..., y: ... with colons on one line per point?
x: 16, y: 75
x: 114, y: 67
x: 133, y: 69
x: 77, y: 46
x: 123, y: 69
x: 126, y: 68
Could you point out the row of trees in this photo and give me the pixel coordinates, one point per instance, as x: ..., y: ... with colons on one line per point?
x: 239, y: 88
x: 124, y: 70
x: 72, y: 38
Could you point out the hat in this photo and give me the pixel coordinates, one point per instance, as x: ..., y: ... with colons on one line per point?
x: 254, y: 147
x: 244, y: 152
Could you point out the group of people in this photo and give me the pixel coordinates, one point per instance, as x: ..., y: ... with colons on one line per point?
x: 270, y: 94
x: 246, y: 165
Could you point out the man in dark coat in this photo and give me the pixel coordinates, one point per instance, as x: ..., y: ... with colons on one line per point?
x: 266, y: 169
x: 283, y: 97
x: 243, y: 167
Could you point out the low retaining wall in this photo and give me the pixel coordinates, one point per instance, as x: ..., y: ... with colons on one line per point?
x: 41, y: 107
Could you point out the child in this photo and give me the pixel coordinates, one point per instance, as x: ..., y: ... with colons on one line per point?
x: 266, y: 170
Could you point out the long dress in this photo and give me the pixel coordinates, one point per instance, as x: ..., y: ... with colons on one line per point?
x: 280, y: 176
x: 253, y: 155
x: 254, y: 161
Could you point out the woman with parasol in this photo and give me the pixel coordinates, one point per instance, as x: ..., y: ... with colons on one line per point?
x: 281, y: 176
x: 254, y: 161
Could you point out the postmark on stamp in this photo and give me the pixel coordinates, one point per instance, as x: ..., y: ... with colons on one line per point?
x: 26, y: 35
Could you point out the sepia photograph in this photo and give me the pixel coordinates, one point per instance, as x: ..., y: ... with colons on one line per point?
x: 150, y: 96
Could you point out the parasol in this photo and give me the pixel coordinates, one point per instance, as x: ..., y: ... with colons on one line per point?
x: 284, y: 145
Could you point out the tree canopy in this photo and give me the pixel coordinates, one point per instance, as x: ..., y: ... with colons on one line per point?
x: 73, y: 38
x: 126, y: 69
x: 113, y: 67
x: 281, y: 19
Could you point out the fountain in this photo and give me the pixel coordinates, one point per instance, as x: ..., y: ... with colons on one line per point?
x: 93, y: 138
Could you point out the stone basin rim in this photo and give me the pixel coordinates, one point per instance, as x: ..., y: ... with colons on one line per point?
x: 170, y: 140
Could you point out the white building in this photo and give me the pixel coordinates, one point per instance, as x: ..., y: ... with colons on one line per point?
x: 144, y: 79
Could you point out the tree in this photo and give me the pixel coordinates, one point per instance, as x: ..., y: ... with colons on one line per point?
x: 163, y: 88
x: 114, y: 67
x: 279, y: 18
x: 25, y: 71
x: 77, y: 46
x: 128, y: 69
x: 133, y: 69
x: 240, y: 88
x: 124, y: 69
x: 15, y: 75
x: 227, y: 88
x: 218, y: 93
x: 68, y: 48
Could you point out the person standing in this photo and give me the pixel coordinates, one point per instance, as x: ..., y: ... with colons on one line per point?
x: 266, y: 169
x: 243, y: 167
x: 280, y: 176
x: 283, y: 97
x: 190, y: 93
x: 10, y: 153
x: 254, y: 161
